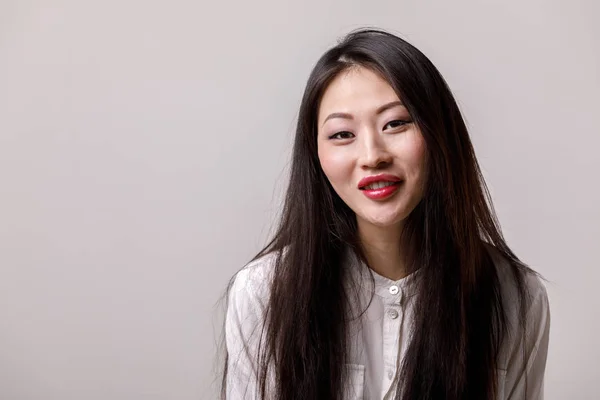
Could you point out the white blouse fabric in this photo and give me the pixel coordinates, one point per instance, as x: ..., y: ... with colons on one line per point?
x: 379, y: 339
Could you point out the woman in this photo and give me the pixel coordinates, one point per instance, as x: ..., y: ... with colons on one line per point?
x: 388, y: 277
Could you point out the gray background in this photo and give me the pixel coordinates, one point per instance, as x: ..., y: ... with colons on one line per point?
x: 144, y: 147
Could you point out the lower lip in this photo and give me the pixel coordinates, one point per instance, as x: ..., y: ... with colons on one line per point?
x: 382, y: 193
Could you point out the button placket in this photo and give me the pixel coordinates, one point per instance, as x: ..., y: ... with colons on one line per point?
x: 393, y: 316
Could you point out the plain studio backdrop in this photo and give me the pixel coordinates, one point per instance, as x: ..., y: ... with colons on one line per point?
x: 144, y: 148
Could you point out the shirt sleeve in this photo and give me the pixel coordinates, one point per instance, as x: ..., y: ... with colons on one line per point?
x: 526, y: 364
x: 243, y: 328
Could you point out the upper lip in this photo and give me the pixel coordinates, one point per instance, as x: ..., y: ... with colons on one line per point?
x: 377, y: 178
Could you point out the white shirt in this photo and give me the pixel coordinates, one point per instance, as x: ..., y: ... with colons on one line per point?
x: 378, y: 341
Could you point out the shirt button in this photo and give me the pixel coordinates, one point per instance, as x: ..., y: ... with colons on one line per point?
x: 393, y: 314
x: 394, y: 289
x: 390, y: 374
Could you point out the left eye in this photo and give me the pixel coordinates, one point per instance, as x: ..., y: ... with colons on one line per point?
x: 395, y: 124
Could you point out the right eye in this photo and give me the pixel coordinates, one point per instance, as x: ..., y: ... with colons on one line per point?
x: 342, y: 135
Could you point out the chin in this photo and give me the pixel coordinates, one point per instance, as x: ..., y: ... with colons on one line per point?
x: 383, y: 221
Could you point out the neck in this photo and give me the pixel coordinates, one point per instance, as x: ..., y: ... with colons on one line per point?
x: 382, y: 249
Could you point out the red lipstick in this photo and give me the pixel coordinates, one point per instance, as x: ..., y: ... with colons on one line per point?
x: 381, y: 192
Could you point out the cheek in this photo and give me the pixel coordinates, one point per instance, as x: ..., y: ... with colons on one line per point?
x: 416, y: 152
x: 419, y: 155
x: 336, y: 166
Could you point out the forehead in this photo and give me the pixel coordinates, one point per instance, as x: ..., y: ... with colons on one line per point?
x: 356, y: 90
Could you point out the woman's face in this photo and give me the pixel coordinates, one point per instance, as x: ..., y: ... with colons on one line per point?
x: 370, y: 150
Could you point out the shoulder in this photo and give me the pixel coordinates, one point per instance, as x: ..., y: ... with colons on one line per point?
x: 532, y: 331
x: 533, y: 284
x: 252, y: 283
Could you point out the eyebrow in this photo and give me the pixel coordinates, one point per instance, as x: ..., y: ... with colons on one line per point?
x: 378, y: 111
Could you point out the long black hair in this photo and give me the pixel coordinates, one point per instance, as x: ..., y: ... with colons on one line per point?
x: 459, y: 320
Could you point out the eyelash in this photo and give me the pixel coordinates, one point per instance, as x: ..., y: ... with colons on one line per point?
x: 402, y: 123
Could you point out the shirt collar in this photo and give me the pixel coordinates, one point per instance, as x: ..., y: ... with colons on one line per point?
x: 394, y: 290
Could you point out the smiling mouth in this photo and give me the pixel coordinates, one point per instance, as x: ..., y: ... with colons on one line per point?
x: 379, y: 185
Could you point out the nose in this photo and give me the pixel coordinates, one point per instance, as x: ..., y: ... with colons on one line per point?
x: 374, y: 151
